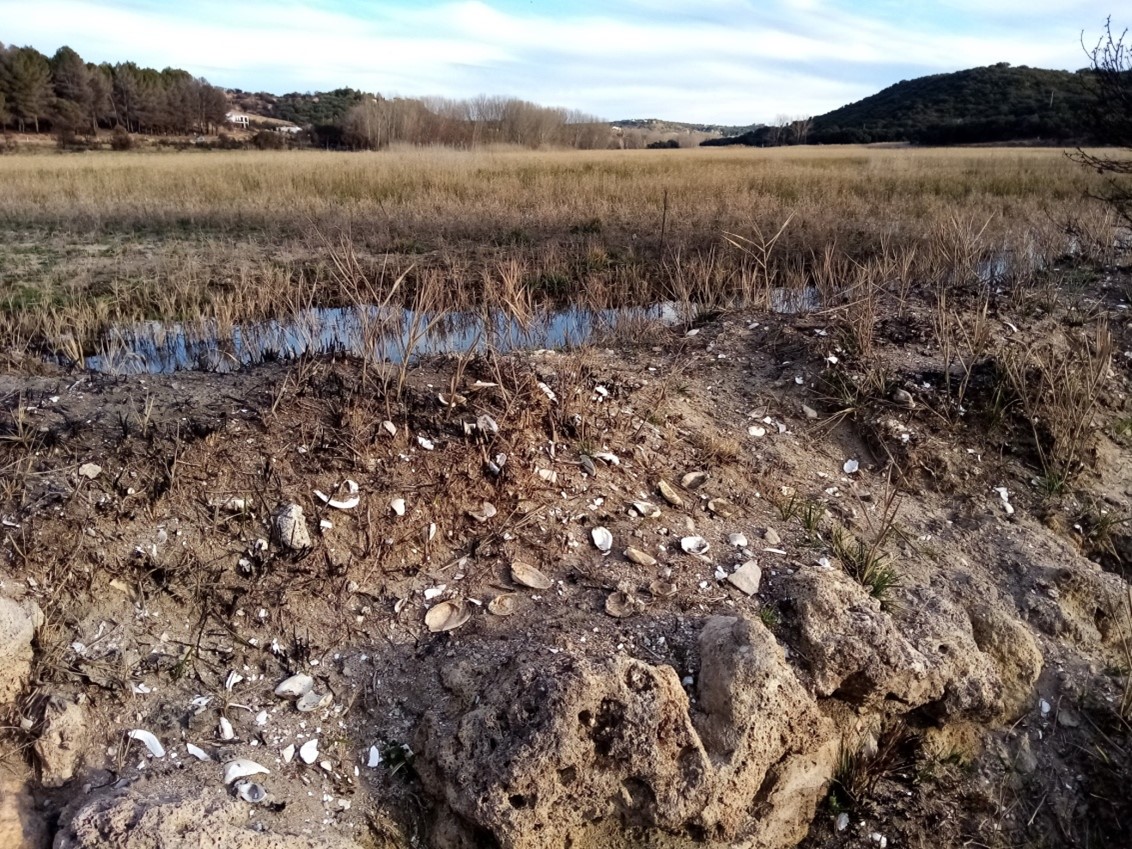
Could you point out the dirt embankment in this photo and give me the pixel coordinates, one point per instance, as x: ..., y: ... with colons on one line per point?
x: 724, y: 587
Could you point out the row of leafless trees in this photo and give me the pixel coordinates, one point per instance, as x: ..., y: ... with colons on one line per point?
x: 65, y: 94
x: 377, y: 122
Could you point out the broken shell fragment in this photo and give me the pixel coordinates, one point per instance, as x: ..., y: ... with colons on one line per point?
x: 425, y: 443
x: 397, y: 505
x: 389, y: 427
x: 738, y: 540
x: 484, y: 512
x: 528, y: 576
x: 602, y: 538
x: 587, y: 465
x: 722, y: 507
x: 641, y: 558
x: 351, y: 500
x: 662, y: 589
x: 646, y: 510
x: 693, y: 480
x: 756, y: 431
x: 851, y: 467
x: 149, y: 740
x: 295, y: 686
x: 486, y: 424
x: 670, y: 495
x: 607, y: 457
x: 548, y: 475
x: 620, y: 605
x: 251, y: 792
x: 312, y: 701
x: 197, y: 752
x: 694, y: 545
x: 447, y: 616
x: 502, y: 605
x: 308, y: 752
x: 226, y: 730
x: 242, y: 768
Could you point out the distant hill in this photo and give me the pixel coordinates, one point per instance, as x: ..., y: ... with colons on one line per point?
x: 994, y: 104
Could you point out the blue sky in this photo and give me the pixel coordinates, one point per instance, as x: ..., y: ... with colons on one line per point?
x: 713, y: 61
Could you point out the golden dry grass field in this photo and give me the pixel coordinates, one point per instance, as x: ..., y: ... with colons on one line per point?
x: 91, y: 241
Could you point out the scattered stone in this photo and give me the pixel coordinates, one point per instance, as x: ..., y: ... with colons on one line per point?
x: 809, y: 412
x: 694, y: 480
x: 903, y: 398
x: 290, y: 527
x: 669, y: 494
x: 851, y: 467
x: 771, y: 537
x: 641, y: 558
x: 747, y: 577
x: 21, y: 824
x: 90, y: 471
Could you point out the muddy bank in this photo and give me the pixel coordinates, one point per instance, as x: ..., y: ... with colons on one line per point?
x: 825, y: 625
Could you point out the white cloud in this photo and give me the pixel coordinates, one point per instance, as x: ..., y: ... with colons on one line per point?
x: 732, y: 61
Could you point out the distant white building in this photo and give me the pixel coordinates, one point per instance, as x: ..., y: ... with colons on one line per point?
x: 238, y: 119
x: 288, y: 128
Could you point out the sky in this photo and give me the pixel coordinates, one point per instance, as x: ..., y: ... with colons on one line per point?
x: 732, y: 62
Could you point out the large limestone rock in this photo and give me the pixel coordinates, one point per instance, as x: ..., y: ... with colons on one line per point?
x: 580, y: 752
x: 17, y: 630
x: 1015, y: 652
x: 131, y: 819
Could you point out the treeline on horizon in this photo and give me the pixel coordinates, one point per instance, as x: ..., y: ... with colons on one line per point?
x: 354, y: 119
x: 997, y: 103
x: 65, y: 94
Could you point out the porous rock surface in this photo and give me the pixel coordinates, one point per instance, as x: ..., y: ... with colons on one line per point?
x: 581, y: 752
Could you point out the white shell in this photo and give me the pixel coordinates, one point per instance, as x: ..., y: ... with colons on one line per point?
x: 389, y: 427
x: 251, y: 792
x: 756, y: 431
x: 374, y: 757
x: 295, y: 686
x: 435, y: 592
x: 447, y: 616
x: 851, y: 467
x: 602, y: 538
x: 425, y: 443
x: 738, y: 540
x: 149, y: 740
x: 398, y: 506
x: 226, y: 730
x: 620, y: 605
x: 485, y: 512
x: 646, y: 509
x: 548, y: 475
x: 242, y: 768
x: 607, y: 457
x: 548, y: 392
x: 502, y: 605
x: 197, y: 752
x: 694, y: 545
x: 348, y: 503
x: 313, y: 701
x: 289, y: 753
x: 487, y: 424
x: 526, y: 575
x: 308, y: 752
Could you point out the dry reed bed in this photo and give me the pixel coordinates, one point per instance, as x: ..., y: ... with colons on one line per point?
x: 225, y: 237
